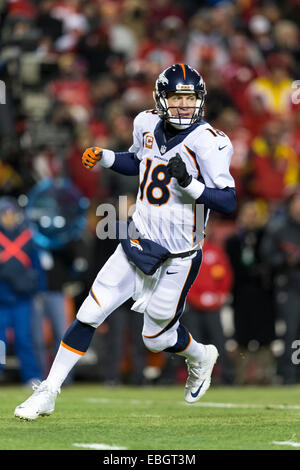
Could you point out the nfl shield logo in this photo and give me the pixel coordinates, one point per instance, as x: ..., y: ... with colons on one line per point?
x: 163, y: 148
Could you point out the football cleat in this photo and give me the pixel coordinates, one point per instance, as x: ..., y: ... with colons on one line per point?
x: 40, y: 403
x: 199, y: 377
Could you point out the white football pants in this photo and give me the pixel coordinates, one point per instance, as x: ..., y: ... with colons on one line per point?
x: 161, y: 297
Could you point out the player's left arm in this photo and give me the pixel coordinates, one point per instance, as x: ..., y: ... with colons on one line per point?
x: 220, y: 200
x: 222, y: 197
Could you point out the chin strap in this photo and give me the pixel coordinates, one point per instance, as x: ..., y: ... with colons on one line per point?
x: 179, y: 126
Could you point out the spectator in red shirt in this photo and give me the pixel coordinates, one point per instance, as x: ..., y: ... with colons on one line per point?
x: 256, y: 116
x: 20, y: 8
x: 273, y: 171
x: 243, y: 66
x: 161, y: 47
x: 294, y: 136
x: 161, y: 9
x: 72, y: 86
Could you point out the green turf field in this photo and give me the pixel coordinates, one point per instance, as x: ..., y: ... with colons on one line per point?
x: 156, y: 418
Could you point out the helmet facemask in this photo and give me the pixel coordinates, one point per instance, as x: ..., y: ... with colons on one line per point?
x: 175, y: 119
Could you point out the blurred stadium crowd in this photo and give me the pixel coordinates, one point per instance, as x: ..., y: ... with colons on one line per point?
x: 76, y: 72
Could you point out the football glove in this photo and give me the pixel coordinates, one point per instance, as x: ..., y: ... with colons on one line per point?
x: 176, y: 168
x: 91, y: 156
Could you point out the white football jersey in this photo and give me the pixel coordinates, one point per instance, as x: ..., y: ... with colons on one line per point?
x: 165, y: 213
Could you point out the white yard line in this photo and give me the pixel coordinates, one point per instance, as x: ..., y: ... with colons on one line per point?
x: 119, y: 400
x: 204, y: 404
x: 287, y: 443
x: 99, y: 446
x: 243, y: 405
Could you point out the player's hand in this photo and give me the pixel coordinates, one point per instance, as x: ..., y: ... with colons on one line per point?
x: 176, y: 168
x: 91, y: 156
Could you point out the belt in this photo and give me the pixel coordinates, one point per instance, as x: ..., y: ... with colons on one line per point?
x: 184, y: 254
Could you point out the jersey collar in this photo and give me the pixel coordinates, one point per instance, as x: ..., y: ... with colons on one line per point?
x: 165, y: 145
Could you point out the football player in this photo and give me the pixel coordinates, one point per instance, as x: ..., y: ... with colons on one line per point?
x: 183, y: 164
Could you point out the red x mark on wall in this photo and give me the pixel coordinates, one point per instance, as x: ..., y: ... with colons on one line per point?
x: 14, y: 248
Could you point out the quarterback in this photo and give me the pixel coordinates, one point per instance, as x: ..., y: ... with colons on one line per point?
x: 183, y: 164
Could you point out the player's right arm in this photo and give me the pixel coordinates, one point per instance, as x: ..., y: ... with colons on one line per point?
x: 126, y: 163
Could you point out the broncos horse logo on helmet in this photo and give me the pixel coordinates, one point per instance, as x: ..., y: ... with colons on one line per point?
x: 179, y: 78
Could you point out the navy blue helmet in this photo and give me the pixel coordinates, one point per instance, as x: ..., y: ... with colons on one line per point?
x: 179, y: 78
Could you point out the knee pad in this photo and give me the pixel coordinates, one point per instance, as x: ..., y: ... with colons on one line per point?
x: 161, y: 342
x: 91, y: 312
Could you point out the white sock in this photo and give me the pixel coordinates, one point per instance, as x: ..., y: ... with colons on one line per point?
x: 63, y: 363
x: 195, y: 352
